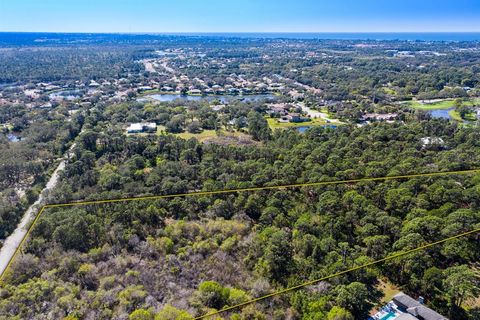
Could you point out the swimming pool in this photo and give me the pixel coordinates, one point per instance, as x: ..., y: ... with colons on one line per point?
x: 389, y: 316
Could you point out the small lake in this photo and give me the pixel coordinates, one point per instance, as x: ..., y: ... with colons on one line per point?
x: 221, y: 98
x: 305, y: 128
x: 4, y: 85
x: 441, y: 113
x: 66, y: 95
x: 13, y: 138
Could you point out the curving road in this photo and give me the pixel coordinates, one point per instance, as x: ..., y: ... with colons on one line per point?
x: 14, y: 240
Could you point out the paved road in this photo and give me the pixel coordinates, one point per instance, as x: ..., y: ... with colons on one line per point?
x: 149, y: 66
x: 13, y: 241
x: 166, y: 67
x: 316, y: 114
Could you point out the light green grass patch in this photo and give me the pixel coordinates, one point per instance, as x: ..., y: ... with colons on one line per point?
x: 445, y: 104
x: 390, y: 91
x: 161, y: 130
x: 456, y: 116
x: 274, y: 124
x: 388, y: 289
x: 205, y: 134
x: 209, y: 134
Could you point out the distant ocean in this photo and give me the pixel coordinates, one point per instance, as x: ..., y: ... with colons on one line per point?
x: 26, y: 38
x: 407, y: 36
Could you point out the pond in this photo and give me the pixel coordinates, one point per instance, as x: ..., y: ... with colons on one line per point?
x: 305, y: 128
x: 222, y: 98
x: 66, y: 95
x: 441, y: 113
x: 4, y: 85
x: 13, y: 138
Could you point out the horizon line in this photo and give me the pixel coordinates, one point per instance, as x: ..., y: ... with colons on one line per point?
x: 238, y: 32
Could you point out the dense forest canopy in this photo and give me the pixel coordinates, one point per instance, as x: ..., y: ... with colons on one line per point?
x: 199, y: 253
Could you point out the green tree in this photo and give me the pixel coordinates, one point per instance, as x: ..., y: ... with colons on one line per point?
x: 354, y: 297
x: 194, y: 127
x: 172, y: 313
x: 141, y: 314
x: 461, y: 284
x: 258, y: 126
x: 175, y: 125
x: 277, y: 260
x: 213, y: 295
x: 337, y: 313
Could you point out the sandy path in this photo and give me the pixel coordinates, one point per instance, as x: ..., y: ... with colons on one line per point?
x: 13, y: 241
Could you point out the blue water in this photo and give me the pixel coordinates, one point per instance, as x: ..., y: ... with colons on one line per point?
x: 412, y: 36
x: 441, y: 113
x: 4, y: 85
x: 29, y: 38
x: 13, y: 138
x: 66, y: 94
x: 221, y: 98
x: 388, y: 316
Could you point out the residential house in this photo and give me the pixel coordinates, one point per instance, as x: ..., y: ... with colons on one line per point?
x: 195, y: 92
x: 415, y: 308
x: 142, y: 127
x: 432, y: 141
x: 294, y: 117
x: 404, y: 307
x: 379, y: 116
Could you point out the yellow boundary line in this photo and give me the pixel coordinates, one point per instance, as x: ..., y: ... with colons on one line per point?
x: 286, y: 186
x: 2, y: 276
x: 309, y: 283
x: 201, y: 193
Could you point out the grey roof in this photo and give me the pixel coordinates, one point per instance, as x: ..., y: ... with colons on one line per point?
x: 406, y: 316
x: 425, y: 313
x: 405, y: 300
x: 415, y: 308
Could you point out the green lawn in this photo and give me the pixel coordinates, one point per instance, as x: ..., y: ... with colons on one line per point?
x: 187, y: 135
x: 475, y: 101
x: 447, y: 104
x: 388, y: 289
x: 161, y: 129
x: 444, y: 104
x: 389, y: 91
x: 274, y: 124
x: 205, y: 134
x: 456, y: 116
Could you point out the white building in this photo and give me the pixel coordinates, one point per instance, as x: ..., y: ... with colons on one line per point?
x: 142, y: 127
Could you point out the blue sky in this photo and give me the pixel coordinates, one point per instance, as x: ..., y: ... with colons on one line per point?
x: 240, y: 15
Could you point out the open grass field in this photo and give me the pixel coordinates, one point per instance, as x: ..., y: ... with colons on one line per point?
x: 205, y: 134
x: 274, y: 124
x: 389, y: 91
x: 388, y: 289
x: 161, y: 129
x: 444, y: 104
x: 456, y: 116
